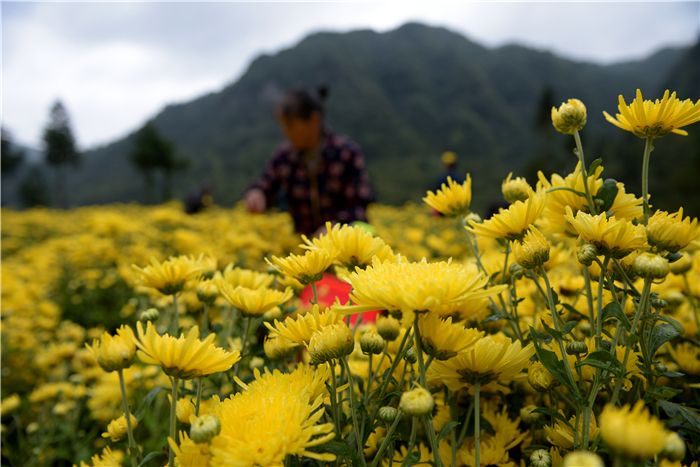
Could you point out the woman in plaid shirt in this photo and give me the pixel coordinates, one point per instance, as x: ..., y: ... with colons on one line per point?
x: 322, y: 175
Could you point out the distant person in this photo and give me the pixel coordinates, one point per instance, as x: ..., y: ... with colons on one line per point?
x: 198, y: 200
x: 320, y: 175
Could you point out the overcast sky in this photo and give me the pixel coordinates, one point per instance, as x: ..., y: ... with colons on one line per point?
x: 115, y: 65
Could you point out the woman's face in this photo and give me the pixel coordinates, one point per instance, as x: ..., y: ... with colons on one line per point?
x: 302, y: 134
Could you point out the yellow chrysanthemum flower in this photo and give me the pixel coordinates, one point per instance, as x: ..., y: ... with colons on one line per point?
x: 276, y: 416
x: 254, y: 302
x: 562, y: 435
x: 652, y: 119
x: 185, y: 357
x: 188, y: 453
x: 331, y: 343
x: 443, y: 339
x: 116, y: 430
x: 452, y: 198
x: 511, y: 223
x: 491, y: 358
x: 351, y: 246
x: 687, y: 355
x: 515, y: 189
x: 441, y: 287
x: 116, y: 352
x: 9, y: 404
x: 300, y: 327
x: 632, y: 431
x: 244, y: 277
x: 306, y: 268
x: 613, y: 237
x: 671, y: 232
x: 107, y: 458
x: 570, y: 117
x: 169, y: 277
x: 533, y: 250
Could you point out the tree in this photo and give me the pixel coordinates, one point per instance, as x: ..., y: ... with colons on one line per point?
x: 60, y: 148
x: 11, y: 156
x: 152, y: 153
x: 33, y: 188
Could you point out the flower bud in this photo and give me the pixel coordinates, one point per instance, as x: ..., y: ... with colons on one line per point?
x: 116, y: 352
x: 207, y: 292
x: 411, y: 356
x: 570, y: 117
x: 582, y: 459
x: 272, y: 314
x: 528, y: 414
x: 681, y: 265
x: 330, y: 343
x: 576, y: 348
x: 674, y: 448
x: 586, y: 253
x: 372, y: 343
x: 540, y: 458
x: 651, y: 266
x: 277, y: 347
x: 417, y: 402
x: 204, y: 428
x: 659, y: 303
x: 388, y: 327
x: 516, y: 270
x: 539, y: 377
x: 117, y: 428
x: 152, y: 314
x: 533, y: 251
x: 387, y: 414
x: 515, y: 189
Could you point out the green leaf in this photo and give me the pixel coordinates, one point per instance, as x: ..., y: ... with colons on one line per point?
x: 662, y: 334
x: 607, y: 193
x: 339, y: 448
x: 602, y: 359
x: 661, y: 393
x: 446, y: 430
x: 147, y: 401
x: 540, y: 336
x: 594, y: 165
x: 687, y: 418
x: 573, y: 310
x: 555, y: 366
x: 150, y: 456
x: 614, y: 311
x: 552, y: 332
x: 568, y: 327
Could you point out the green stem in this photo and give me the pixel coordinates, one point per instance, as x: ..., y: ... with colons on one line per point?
x: 589, y: 296
x: 648, y: 148
x: 199, y: 396
x: 411, y: 441
x: 419, y: 351
x: 351, y: 397
x: 557, y: 326
x: 127, y: 415
x: 599, y: 315
x: 204, y: 327
x: 386, y: 441
x: 579, y: 153
x: 334, y: 401
x: 173, y: 419
x: 313, y: 289
x: 244, y: 344
x: 477, y: 427
x: 432, y: 438
x: 585, y: 427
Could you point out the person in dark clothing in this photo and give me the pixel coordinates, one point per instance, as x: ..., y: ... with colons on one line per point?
x: 321, y: 175
x: 449, y: 161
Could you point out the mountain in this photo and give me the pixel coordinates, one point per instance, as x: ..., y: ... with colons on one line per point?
x: 405, y: 96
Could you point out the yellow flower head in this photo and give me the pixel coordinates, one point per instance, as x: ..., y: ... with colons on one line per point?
x: 350, y: 246
x: 116, y: 352
x: 491, y: 358
x: 533, y: 250
x: 116, y: 430
x: 306, y: 268
x: 515, y: 189
x: 570, y: 117
x: 107, y: 458
x: 632, y: 431
x: 277, y: 347
x: 169, y: 277
x: 330, y: 343
x: 687, y: 355
x: 671, y: 232
x: 562, y: 435
x: 652, y: 119
x: 9, y: 404
x: 513, y: 222
x: 611, y: 236
x: 188, y: 453
x: 184, y: 357
x: 254, y: 302
x: 582, y: 459
x: 440, y: 287
x: 299, y: 328
x: 276, y: 415
x: 452, y: 198
x: 442, y: 339
x: 244, y: 277
x: 417, y: 402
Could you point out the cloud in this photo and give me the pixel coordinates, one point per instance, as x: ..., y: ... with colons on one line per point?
x: 117, y: 64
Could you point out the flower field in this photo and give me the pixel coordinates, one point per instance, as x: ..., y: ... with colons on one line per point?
x: 563, y: 330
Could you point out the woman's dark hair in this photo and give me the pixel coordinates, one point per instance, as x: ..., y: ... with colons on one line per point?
x: 302, y: 103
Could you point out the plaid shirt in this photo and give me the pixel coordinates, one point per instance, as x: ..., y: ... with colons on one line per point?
x: 333, y: 187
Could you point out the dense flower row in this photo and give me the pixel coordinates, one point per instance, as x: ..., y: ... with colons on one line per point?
x: 561, y: 331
